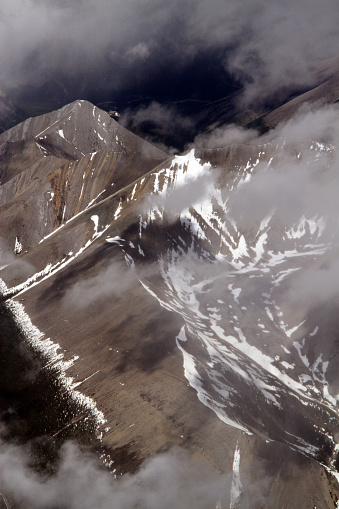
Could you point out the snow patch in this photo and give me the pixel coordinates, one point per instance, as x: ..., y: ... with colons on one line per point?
x: 49, y: 350
x: 236, y: 483
x: 17, y: 246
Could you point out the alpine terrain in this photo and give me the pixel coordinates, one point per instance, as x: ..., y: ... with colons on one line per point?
x: 155, y: 304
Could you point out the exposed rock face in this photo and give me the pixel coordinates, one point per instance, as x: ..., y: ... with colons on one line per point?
x: 137, y: 263
x: 54, y: 166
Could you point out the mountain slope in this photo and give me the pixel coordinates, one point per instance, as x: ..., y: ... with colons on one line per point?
x: 197, y: 258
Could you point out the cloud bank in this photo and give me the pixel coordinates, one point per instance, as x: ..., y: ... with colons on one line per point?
x: 265, y: 46
x: 166, y: 480
x: 301, y: 182
x: 303, y: 176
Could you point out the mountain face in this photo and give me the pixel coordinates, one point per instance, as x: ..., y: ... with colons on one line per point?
x: 53, y: 166
x: 184, y: 301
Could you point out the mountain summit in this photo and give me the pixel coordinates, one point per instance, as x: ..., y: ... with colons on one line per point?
x: 63, y: 161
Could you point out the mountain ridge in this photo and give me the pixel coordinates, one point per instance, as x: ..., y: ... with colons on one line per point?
x: 60, y: 172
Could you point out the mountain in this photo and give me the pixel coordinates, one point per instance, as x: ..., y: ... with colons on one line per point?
x: 171, y: 300
x: 37, y: 159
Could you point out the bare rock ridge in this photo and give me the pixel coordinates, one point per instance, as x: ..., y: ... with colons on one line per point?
x: 77, y: 129
x: 60, y: 163
x: 165, y: 288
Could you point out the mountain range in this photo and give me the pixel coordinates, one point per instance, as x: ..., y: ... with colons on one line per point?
x: 153, y: 302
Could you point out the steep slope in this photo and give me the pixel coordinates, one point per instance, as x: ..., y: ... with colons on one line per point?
x: 198, y: 258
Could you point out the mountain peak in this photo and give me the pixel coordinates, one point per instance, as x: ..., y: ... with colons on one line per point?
x: 77, y: 129
x: 65, y: 160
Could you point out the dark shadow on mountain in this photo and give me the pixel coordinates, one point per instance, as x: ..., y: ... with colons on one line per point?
x: 153, y: 347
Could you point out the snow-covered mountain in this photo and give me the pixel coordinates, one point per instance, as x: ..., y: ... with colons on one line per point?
x: 160, y: 281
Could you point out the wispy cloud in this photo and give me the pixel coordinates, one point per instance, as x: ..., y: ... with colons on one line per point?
x: 226, y: 135
x: 164, y: 117
x: 115, y: 280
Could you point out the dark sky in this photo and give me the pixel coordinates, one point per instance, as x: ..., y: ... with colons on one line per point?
x: 105, y: 49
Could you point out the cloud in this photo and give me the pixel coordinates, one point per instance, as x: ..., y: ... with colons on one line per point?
x: 195, y: 189
x: 140, y: 51
x: 166, y: 480
x: 302, y: 177
x: 187, y: 195
x: 302, y: 181
x: 123, y: 46
x: 115, y: 280
x: 163, y: 126
x: 8, y: 258
x: 164, y: 117
x: 311, y: 123
x: 316, y: 285
x: 226, y: 135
